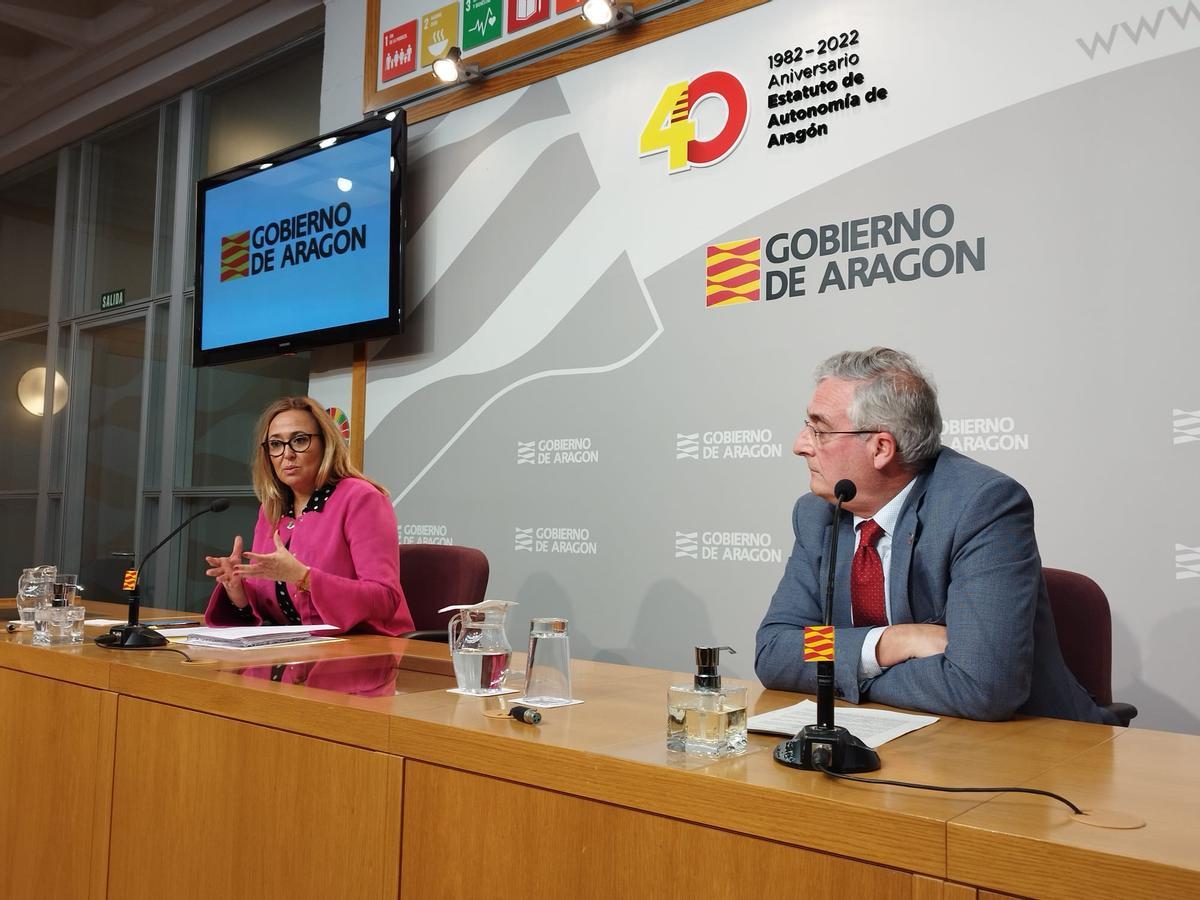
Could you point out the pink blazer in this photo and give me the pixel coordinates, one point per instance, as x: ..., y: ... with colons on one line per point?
x: 353, y: 552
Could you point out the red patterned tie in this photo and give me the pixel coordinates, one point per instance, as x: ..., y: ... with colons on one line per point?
x: 866, y: 579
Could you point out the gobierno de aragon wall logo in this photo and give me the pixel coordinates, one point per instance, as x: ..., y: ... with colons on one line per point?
x: 733, y: 272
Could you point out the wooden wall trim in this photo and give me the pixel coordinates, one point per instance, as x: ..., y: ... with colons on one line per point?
x: 106, y: 750
x: 609, y: 44
x: 358, y: 404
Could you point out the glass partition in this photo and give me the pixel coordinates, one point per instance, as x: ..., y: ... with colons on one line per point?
x: 119, y: 220
x: 16, y: 541
x: 26, y: 244
x: 136, y: 443
x: 210, y: 535
x: 262, y: 110
x: 115, y: 356
x: 228, y: 402
x: 22, y: 386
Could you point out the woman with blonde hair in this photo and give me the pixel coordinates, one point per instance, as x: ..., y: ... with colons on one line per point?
x: 325, y: 547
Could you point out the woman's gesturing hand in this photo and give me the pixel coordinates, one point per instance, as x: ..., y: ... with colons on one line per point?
x: 225, y: 570
x: 278, y: 565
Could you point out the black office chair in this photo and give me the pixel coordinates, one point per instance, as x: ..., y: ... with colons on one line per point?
x: 1084, y: 625
x: 438, y: 575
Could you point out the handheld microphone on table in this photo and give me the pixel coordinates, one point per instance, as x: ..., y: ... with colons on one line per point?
x: 133, y: 635
x: 825, y: 745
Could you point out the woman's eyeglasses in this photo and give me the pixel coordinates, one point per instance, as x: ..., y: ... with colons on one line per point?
x: 299, y: 442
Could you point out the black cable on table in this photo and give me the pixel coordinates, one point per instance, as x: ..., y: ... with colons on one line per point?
x: 934, y: 787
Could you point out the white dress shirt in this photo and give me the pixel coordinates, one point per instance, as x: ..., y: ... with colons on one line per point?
x: 886, y: 518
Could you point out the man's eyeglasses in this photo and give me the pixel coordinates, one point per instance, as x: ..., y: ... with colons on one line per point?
x: 819, y: 435
x: 299, y: 442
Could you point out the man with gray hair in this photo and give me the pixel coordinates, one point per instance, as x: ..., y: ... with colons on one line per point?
x: 939, y: 602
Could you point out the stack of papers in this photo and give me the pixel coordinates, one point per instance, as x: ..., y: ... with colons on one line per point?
x: 874, y: 727
x: 253, y: 636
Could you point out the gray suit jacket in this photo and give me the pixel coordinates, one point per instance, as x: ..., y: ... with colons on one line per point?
x: 964, y: 555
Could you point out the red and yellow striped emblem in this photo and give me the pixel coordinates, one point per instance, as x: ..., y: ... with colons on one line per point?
x: 681, y: 109
x: 130, y: 581
x: 818, y: 643
x: 734, y: 272
x: 235, y: 255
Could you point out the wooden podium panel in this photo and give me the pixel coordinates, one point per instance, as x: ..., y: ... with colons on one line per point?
x: 56, y: 752
x: 1020, y: 844
x: 470, y: 835
x: 207, y: 807
x: 208, y: 779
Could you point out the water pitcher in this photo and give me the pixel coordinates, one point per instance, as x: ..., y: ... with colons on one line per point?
x: 479, y: 646
x: 35, y: 588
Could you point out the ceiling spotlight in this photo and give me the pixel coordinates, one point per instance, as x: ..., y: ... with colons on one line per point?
x: 345, y: 185
x: 607, y: 14
x: 450, y: 68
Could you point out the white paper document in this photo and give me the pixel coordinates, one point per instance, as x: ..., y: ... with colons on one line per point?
x: 175, y: 634
x: 244, y: 638
x: 874, y: 727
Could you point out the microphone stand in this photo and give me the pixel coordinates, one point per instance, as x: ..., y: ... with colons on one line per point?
x: 134, y: 635
x: 826, y: 745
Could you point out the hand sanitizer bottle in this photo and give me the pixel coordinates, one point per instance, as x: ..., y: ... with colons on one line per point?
x: 704, y: 718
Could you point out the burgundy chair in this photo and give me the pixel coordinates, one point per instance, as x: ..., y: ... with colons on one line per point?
x: 1084, y: 627
x: 437, y: 575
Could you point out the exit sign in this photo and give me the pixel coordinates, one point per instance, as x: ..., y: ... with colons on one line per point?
x: 112, y: 299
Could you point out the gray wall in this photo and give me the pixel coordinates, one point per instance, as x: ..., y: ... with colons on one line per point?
x: 557, y: 305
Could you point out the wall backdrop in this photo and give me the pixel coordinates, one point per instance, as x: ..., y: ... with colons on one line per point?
x: 614, y: 318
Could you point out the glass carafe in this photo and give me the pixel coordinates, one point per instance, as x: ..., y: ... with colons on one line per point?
x: 479, y: 646
x: 35, y: 588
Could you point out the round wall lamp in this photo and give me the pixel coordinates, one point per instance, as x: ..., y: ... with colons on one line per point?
x: 31, y: 391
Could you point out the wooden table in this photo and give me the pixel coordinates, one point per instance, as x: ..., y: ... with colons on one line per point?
x: 202, y: 780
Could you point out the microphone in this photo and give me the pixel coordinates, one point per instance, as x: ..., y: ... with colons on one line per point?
x: 134, y: 636
x: 826, y: 745
x: 845, y: 491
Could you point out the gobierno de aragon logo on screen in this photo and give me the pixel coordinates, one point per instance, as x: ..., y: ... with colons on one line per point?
x: 298, y: 240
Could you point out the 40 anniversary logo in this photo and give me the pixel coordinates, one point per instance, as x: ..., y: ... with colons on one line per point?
x: 672, y: 130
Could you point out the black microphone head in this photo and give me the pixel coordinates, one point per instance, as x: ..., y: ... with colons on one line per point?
x: 845, y: 490
x: 222, y: 504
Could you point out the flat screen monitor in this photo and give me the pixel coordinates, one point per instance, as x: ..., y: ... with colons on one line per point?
x: 303, y: 248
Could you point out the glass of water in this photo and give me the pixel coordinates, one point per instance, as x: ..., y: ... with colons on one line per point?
x: 58, y: 625
x: 548, y: 667
x: 65, y: 589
